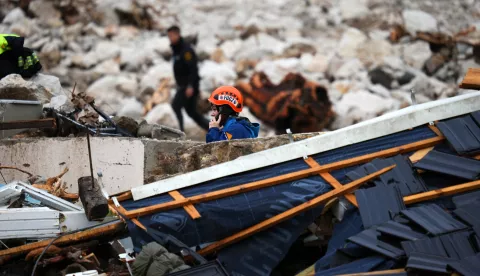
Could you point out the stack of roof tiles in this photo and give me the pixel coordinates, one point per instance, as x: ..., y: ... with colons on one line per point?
x: 439, y: 237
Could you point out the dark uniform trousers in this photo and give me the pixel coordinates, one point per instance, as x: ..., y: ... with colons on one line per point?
x: 190, y: 104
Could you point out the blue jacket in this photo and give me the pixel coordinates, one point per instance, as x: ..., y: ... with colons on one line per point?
x: 234, y: 128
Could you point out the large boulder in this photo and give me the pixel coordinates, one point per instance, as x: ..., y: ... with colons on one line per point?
x: 351, y: 40
x: 351, y: 9
x: 416, y: 54
x: 419, y: 21
x: 14, y: 87
x: 215, y: 74
x: 13, y: 16
x: 109, y: 91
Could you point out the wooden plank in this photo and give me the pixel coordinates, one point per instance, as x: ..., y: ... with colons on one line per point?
x: 283, y: 178
x: 68, y: 239
x: 122, y: 197
x: 121, y: 213
x: 384, y: 272
x: 471, y: 79
x: 331, y: 180
x: 436, y: 130
x: 419, y: 154
x: 26, y: 124
x: 190, y: 209
x: 452, y: 190
x: 291, y: 213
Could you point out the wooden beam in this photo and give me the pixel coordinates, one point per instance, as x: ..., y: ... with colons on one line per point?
x: 283, y: 178
x: 121, y: 213
x: 190, y: 209
x: 471, y: 79
x: 291, y: 213
x: 419, y: 154
x: 122, y: 197
x: 94, y: 233
x: 331, y: 180
x: 25, y: 124
x: 384, y: 272
x: 452, y: 190
x: 436, y: 130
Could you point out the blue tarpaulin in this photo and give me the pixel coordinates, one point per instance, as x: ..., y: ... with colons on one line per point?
x: 261, y: 253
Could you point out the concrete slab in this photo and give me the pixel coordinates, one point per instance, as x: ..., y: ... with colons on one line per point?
x: 121, y: 160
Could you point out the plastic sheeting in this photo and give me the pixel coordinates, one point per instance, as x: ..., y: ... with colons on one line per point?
x: 261, y: 253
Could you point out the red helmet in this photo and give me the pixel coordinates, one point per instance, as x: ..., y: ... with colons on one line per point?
x: 228, y: 95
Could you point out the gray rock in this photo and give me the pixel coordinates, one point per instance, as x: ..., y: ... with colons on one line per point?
x: 61, y: 103
x: 46, y: 12
x: 419, y: 21
x: 126, y: 123
x: 131, y: 108
x: 167, y: 133
x: 380, y: 90
x: 50, y: 83
x: 351, y: 40
x: 14, y: 87
x: 351, y: 9
x: 416, y: 54
x: 13, y: 16
x: 350, y: 69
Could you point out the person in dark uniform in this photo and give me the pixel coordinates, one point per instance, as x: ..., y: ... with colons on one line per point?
x: 185, y: 70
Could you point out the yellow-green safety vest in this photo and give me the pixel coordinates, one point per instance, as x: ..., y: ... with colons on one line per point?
x: 4, y: 45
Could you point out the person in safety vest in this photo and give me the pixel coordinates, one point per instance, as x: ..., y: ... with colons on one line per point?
x: 16, y: 59
x: 226, y: 103
x: 185, y: 70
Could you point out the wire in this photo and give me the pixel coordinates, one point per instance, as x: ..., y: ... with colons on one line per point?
x: 3, y: 177
x: 64, y: 234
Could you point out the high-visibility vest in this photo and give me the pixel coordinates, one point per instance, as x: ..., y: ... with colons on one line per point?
x: 6, y: 41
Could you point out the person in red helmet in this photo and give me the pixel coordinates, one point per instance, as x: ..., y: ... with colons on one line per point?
x: 227, y: 103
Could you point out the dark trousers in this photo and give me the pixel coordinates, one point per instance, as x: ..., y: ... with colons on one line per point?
x: 190, y: 104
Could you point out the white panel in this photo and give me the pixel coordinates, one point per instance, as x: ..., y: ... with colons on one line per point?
x: 393, y: 122
x: 28, y: 214
x: 30, y: 224
x: 121, y: 160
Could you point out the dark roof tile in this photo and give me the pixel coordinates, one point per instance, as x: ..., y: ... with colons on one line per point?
x: 433, y: 219
x: 454, y: 165
x: 369, y: 239
x: 378, y: 204
x: 401, y: 231
x: 462, y: 133
x: 469, y: 266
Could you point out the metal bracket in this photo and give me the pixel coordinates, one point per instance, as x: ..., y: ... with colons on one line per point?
x: 290, y: 137
x: 115, y: 201
x: 431, y: 123
x: 412, y: 96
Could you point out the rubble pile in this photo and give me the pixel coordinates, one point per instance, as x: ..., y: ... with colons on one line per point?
x: 368, y: 54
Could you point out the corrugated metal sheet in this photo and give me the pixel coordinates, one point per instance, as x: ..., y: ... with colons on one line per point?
x: 469, y: 214
x: 379, y: 204
x: 432, y: 246
x: 402, y: 176
x: 454, y: 165
x: 401, y: 231
x: 469, y: 266
x: 369, y: 239
x: 462, y: 133
x: 430, y: 263
x: 433, y: 219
